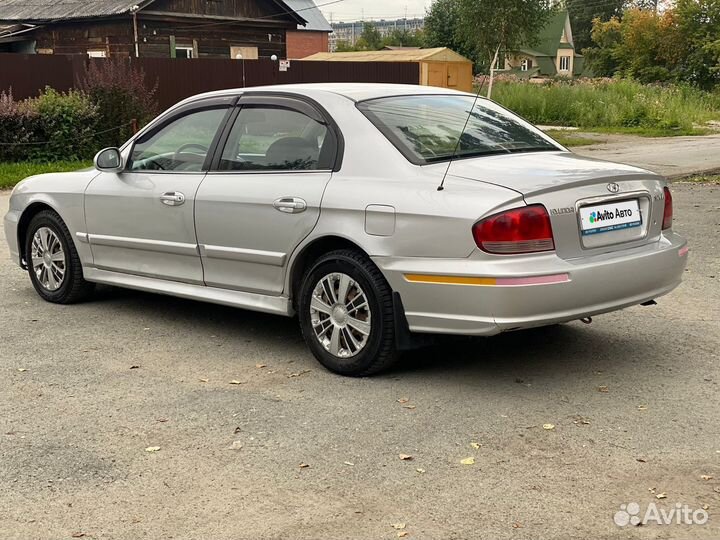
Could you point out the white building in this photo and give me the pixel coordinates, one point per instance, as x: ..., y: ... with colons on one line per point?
x: 350, y: 31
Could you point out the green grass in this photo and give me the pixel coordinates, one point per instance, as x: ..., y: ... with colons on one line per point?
x: 713, y: 179
x: 616, y: 106
x: 655, y: 131
x: 12, y: 173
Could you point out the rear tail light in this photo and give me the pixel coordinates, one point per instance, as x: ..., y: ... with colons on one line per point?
x: 668, y: 215
x: 523, y: 230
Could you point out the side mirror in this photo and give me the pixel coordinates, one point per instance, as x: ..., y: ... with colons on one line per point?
x: 109, y: 160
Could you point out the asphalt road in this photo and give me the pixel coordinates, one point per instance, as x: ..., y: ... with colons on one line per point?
x: 669, y: 156
x: 86, y: 389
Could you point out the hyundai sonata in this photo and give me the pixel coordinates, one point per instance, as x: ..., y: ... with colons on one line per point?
x: 372, y: 212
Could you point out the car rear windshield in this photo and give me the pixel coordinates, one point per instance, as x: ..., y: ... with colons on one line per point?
x: 426, y: 128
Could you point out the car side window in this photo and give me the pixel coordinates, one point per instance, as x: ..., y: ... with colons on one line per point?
x: 180, y: 146
x: 275, y: 138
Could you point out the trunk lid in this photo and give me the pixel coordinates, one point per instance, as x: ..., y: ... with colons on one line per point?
x: 595, y: 206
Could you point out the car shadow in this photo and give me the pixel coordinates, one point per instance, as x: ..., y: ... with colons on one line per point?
x: 200, y: 316
x: 541, y: 352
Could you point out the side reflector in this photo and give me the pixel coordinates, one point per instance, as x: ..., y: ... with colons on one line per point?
x: 488, y: 281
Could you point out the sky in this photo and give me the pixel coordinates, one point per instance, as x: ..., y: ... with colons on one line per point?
x: 353, y: 10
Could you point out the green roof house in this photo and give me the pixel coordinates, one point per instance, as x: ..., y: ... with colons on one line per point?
x: 552, y: 55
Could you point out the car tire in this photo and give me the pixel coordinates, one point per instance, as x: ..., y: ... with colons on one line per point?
x: 334, y: 328
x: 57, y: 276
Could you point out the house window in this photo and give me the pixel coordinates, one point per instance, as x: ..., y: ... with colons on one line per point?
x: 97, y: 54
x: 243, y: 53
x: 184, y: 51
x: 526, y: 64
x: 564, y: 63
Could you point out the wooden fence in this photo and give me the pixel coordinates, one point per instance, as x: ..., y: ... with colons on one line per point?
x: 27, y: 74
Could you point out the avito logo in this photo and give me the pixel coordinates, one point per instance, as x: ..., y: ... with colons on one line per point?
x: 607, y: 214
x: 680, y: 514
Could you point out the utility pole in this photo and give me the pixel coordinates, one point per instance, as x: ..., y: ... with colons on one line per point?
x: 134, y: 11
x: 240, y: 57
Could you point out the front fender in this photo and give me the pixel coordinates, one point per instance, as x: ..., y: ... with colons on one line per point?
x: 63, y: 193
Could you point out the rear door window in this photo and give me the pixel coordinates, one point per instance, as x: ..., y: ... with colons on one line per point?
x: 275, y: 138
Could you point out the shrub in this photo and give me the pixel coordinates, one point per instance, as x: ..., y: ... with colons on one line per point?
x: 122, y: 95
x: 17, y: 124
x: 53, y: 126
x: 74, y: 125
x: 67, y: 125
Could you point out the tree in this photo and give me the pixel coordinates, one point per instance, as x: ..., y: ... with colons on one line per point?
x: 403, y: 38
x: 679, y: 44
x: 602, y: 59
x: 492, y: 26
x: 344, y: 46
x: 643, y: 46
x: 583, y: 14
x: 648, y: 46
x: 370, y: 39
x: 442, y: 28
x: 698, y: 23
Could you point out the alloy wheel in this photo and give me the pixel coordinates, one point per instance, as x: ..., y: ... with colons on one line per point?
x: 340, y: 315
x: 48, y: 259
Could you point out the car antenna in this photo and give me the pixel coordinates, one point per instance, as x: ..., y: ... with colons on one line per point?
x: 441, y: 187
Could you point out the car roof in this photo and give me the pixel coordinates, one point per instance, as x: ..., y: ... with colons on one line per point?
x: 352, y: 91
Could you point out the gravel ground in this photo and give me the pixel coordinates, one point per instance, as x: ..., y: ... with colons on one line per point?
x: 86, y: 390
x: 670, y: 156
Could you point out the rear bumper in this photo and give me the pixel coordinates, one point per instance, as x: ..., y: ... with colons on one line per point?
x: 10, y: 225
x: 510, y: 293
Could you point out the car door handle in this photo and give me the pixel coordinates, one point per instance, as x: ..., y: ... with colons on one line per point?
x: 290, y: 205
x: 172, y: 198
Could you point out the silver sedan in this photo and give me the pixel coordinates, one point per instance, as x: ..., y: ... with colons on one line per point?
x: 375, y: 213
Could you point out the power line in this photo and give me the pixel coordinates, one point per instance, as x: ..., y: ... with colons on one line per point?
x: 88, y: 137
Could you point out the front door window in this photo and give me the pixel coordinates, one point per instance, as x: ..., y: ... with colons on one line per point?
x: 180, y: 146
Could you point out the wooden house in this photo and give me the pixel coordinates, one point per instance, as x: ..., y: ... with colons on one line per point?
x: 247, y: 29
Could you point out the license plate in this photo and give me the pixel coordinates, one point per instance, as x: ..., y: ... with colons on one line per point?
x: 610, y: 217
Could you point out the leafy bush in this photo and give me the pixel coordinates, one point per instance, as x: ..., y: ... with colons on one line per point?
x: 67, y: 124
x: 122, y: 96
x: 53, y: 126
x: 610, y: 104
x: 74, y: 125
x: 17, y: 124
